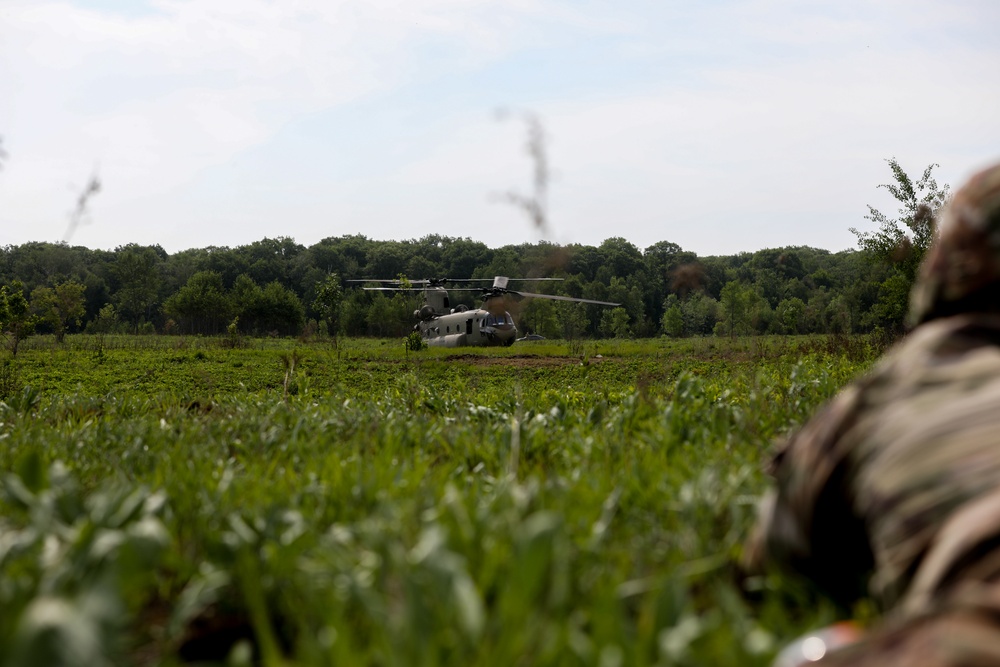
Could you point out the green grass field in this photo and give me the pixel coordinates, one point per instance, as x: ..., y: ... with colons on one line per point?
x: 173, y: 500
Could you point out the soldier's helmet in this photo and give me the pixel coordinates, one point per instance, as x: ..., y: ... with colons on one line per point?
x: 961, y: 272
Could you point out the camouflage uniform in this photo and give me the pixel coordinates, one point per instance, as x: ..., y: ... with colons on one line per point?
x: 895, y: 485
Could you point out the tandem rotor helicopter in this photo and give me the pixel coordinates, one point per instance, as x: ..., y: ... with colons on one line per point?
x: 442, y: 325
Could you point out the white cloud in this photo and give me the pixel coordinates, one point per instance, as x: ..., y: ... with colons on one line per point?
x: 723, y: 126
x: 158, y: 98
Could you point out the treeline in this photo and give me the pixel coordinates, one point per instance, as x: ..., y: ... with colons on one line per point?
x: 271, y: 287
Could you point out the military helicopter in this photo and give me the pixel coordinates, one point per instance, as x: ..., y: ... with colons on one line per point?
x: 442, y: 325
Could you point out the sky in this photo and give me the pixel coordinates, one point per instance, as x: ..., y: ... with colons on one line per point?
x: 722, y: 126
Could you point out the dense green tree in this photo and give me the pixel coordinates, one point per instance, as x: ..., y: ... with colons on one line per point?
x: 246, y: 296
x: 17, y: 322
x: 505, y: 261
x: 540, y: 316
x: 583, y: 260
x: 790, y: 315
x: 345, y: 255
x: 59, y: 307
x: 269, y: 259
x: 715, y: 274
x: 615, y: 323
x: 618, y: 258
x: 736, y: 304
x: 661, y: 263
x: 329, y: 297
x: 842, y: 291
x: 573, y: 318
x: 461, y: 257
x: 701, y: 312
x: 106, y: 321
x: 202, y: 306
x: 272, y: 309
x: 795, y: 289
x: 902, y: 242
x: 137, y: 278
x: 389, y: 316
x: 839, y: 318
x: 673, y: 317
x: 281, y: 310
x: 354, y: 313
x: 386, y: 260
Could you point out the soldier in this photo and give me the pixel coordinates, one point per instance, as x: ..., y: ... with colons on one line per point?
x: 893, y: 490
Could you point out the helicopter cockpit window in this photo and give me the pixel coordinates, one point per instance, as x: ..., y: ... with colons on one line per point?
x: 497, y: 320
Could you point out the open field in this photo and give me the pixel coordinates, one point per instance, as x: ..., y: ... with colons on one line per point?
x: 545, y: 504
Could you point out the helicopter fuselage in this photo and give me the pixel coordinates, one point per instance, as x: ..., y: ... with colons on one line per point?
x: 468, y: 327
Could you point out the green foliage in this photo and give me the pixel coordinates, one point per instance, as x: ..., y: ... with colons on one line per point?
x: 136, y: 274
x: 492, y: 507
x: 105, y: 322
x: 10, y: 378
x: 234, y: 339
x: 615, y: 323
x: 390, y: 316
x: 741, y: 308
x: 138, y: 281
x: 76, y: 565
x: 327, y: 304
x: 902, y: 242
x: 573, y: 317
x: 911, y: 233
x: 790, y: 315
x: 16, y: 319
x: 541, y: 316
x: 700, y: 312
x: 414, y: 342
x: 673, y: 317
x: 281, y: 310
x: 59, y: 307
x: 202, y: 305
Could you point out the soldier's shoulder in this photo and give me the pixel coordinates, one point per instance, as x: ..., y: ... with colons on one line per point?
x: 943, y: 339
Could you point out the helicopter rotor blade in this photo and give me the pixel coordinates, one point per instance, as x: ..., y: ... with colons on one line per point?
x: 395, y: 284
x: 555, y: 297
x: 501, y: 282
x: 498, y: 281
x: 537, y: 280
x: 429, y: 282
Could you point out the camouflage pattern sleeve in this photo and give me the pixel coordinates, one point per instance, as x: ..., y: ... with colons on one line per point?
x: 806, y: 522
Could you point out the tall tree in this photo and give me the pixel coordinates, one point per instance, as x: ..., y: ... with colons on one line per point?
x: 902, y: 242
x: 136, y: 270
x: 202, y: 305
x: 282, y: 310
x: 59, y: 306
x: 673, y: 317
x: 615, y: 323
x: 739, y: 305
x: 16, y: 319
x: 329, y: 296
